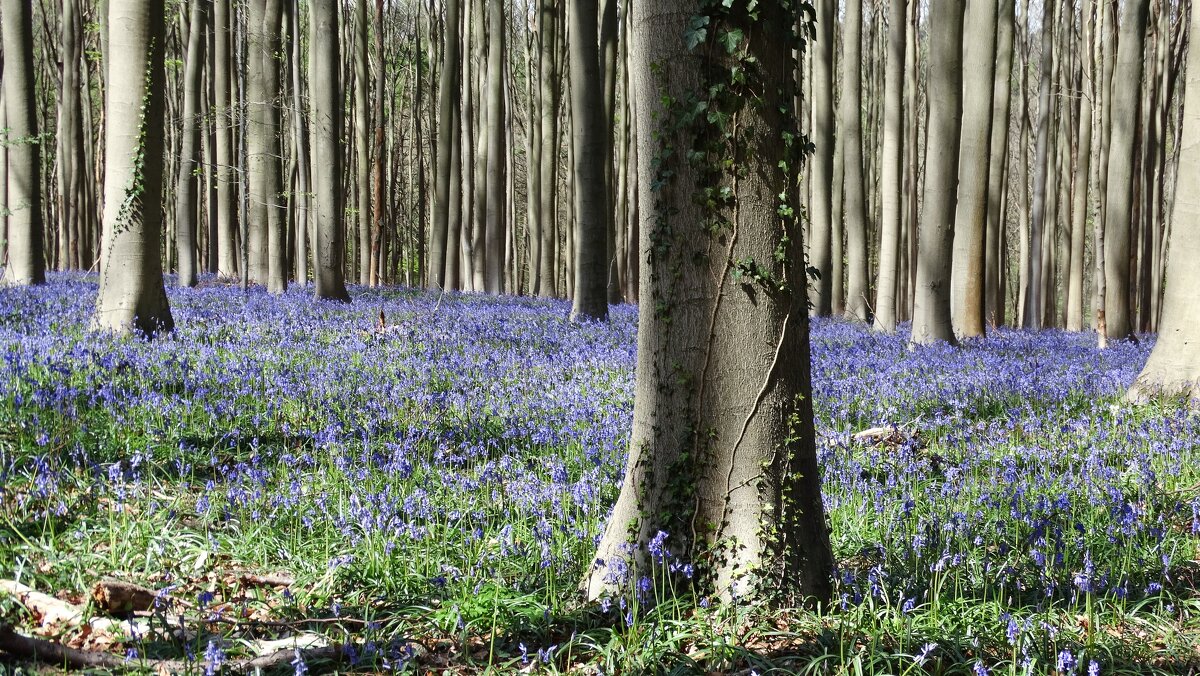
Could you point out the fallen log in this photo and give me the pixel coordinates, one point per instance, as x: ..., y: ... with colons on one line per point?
x: 117, y: 597
x: 47, y: 610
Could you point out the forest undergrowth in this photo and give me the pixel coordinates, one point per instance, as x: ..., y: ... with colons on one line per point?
x: 417, y: 482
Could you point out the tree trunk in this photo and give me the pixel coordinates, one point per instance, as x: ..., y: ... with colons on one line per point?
x: 187, y: 181
x: 1083, y: 170
x: 445, y: 191
x: 931, y: 310
x: 227, y: 181
x: 1118, y: 214
x: 362, y: 142
x: 821, y: 202
x: 1034, y: 298
x: 970, y: 221
x: 496, y: 215
x: 329, y: 248
x: 547, y: 172
x: 854, y: 210
x: 132, y: 297
x: 722, y: 449
x: 997, y: 167
x: 300, y: 142
x: 891, y: 181
x: 26, y: 262
x: 1174, y: 365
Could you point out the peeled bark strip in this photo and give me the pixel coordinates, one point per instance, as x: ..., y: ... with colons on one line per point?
x: 1174, y: 365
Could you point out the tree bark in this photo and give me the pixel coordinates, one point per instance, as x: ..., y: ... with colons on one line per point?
x: 1083, y: 171
x: 496, y: 214
x: 445, y: 191
x: 931, y: 309
x: 997, y: 167
x: 821, y: 202
x: 227, y: 181
x: 547, y: 172
x: 187, y: 182
x: 132, y: 297
x: 362, y: 143
x: 970, y: 221
x: 891, y: 181
x: 329, y: 250
x: 854, y: 210
x: 722, y: 449
x: 1034, y: 297
x: 26, y: 262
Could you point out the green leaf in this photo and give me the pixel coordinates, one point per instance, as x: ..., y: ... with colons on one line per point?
x: 730, y: 39
x: 696, y: 33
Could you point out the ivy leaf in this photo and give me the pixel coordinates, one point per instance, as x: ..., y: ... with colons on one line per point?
x: 730, y: 39
x: 696, y: 33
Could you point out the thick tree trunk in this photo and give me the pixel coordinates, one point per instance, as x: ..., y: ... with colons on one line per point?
x: 187, y: 181
x: 854, y: 211
x: 589, y: 140
x: 722, y: 449
x: 1119, y: 210
x: 891, y: 182
x: 1174, y: 365
x: 329, y: 252
x: 931, y: 309
x: 820, y: 208
x: 967, y: 274
x: 26, y: 262
x: 132, y: 297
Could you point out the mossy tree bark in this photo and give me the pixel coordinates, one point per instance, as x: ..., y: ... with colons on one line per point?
x: 722, y: 455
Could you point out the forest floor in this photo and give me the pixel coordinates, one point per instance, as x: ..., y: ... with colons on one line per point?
x: 415, y: 482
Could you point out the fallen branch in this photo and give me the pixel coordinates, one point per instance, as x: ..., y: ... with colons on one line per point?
x: 117, y: 597
x: 46, y: 609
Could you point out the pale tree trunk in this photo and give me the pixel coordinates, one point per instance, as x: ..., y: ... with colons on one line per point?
x: 727, y: 361
x: 1118, y: 213
x: 72, y: 165
x: 1173, y: 369
x: 997, y: 167
x: 362, y: 143
x: 445, y: 190
x: 187, y: 181
x: 967, y: 273
x: 1034, y: 300
x: 300, y: 142
x: 378, y: 214
x: 1108, y: 30
x: 329, y: 252
x: 132, y: 297
x: 533, y: 156
x: 608, y: 73
x: 4, y: 206
x: 1083, y: 170
x: 227, y: 180
x: 891, y: 182
x: 478, y: 192
x: 931, y: 308
x: 265, y: 229
x: 854, y: 210
x: 820, y: 208
x: 26, y: 262
x: 547, y: 172
x: 588, y: 138
x: 496, y: 207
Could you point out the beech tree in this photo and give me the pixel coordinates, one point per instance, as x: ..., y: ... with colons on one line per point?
x: 722, y: 456
x: 588, y: 136
x: 1174, y: 365
x: 891, y: 182
x: 187, y: 182
x: 26, y: 260
x: 329, y: 247
x: 132, y: 297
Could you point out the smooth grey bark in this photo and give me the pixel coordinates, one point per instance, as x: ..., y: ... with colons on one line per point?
x: 728, y: 363
x: 474, y: 111
x: 589, y: 139
x: 329, y: 252
x: 445, y: 190
x: 974, y: 156
x: 132, y: 297
x: 3, y: 176
x: 608, y: 73
x: 892, y: 170
x: 547, y: 172
x: 533, y: 155
x: 300, y: 143
x: 1118, y: 212
x: 1173, y: 369
x: 266, y: 249
x: 1034, y: 299
x: 820, y: 205
x: 1083, y: 171
x: 72, y: 165
x: 187, y: 181
x: 362, y: 144
x: 998, y: 166
x: 931, y: 307
x: 496, y: 207
x: 854, y: 210
x: 227, y: 180
x: 26, y: 263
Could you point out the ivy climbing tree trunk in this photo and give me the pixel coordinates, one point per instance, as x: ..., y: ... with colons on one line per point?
x: 187, y: 181
x: 589, y: 138
x: 722, y: 460
x: 1174, y: 365
x: 132, y: 297
x: 26, y: 262
x: 329, y: 246
x: 931, y: 308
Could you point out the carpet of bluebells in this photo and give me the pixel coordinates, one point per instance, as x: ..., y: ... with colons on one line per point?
x: 434, y: 471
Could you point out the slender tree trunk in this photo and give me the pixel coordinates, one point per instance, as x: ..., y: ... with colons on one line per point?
x: 300, y: 142
x: 380, y: 208
x: 362, y: 142
x: 227, y: 181
x: 187, y: 182
x: 329, y: 249
x: 1083, y: 170
x: 132, y: 297
x: 997, y: 167
x: 547, y: 172
x: 496, y: 210
x: 72, y: 164
x: 931, y: 310
x: 854, y: 210
x: 1118, y: 216
x: 821, y: 202
x: 1034, y: 301
x: 967, y: 274
x: 26, y: 262
x: 446, y: 188
x: 891, y: 182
